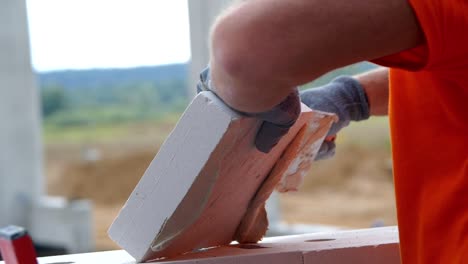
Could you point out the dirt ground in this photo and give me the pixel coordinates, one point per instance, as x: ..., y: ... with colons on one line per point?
x: 352, y: 190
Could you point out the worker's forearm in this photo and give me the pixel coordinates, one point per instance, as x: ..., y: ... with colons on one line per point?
x: 262, y: 49
x: 375, y: 84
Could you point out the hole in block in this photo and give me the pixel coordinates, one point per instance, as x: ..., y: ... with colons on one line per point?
x: 320, y: 240
x: 249, y: 246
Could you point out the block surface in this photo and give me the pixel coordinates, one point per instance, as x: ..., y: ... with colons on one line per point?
x: 375, y: 245
x: 198, y: 188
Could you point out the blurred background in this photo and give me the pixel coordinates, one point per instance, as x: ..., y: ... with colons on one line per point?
x: 89, y: 90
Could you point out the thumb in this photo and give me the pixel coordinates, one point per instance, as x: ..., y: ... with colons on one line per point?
x: 269, y: 135
x: 326, y: 151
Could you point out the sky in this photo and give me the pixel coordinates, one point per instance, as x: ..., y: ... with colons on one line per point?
x: 82, y: 34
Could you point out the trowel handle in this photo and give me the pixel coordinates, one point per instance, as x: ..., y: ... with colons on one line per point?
x: 16, y: 246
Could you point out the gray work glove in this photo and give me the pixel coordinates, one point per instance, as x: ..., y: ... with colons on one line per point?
x: 276, y: 122
x: 345, y: 97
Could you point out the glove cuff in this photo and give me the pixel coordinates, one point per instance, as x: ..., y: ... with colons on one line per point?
x: 358, y: 106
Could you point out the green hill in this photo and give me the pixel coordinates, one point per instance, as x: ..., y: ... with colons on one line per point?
x: 105, y: 78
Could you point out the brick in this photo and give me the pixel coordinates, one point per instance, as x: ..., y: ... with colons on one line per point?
x: 198, y: 188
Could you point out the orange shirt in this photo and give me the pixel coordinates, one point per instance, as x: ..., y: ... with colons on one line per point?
x: 429, y: 126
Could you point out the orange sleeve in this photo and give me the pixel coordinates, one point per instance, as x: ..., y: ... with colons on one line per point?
x: 445, y: 27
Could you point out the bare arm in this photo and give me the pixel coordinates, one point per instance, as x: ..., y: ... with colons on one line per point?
x: 261, y: 49
x: 375, y: 83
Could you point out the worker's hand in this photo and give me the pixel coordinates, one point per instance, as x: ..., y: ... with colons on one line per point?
x: 276, y: 122
x: 345, y: 97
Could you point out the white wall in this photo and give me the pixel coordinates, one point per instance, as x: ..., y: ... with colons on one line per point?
x: 20, y: 148
x: 51, y: 221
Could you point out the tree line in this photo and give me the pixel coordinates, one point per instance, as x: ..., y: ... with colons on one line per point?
x: 122, y: 95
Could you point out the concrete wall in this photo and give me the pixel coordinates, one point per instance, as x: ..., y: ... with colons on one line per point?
x: 20, y: 153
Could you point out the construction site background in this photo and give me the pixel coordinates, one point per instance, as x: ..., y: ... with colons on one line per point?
x: 97, y: 148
